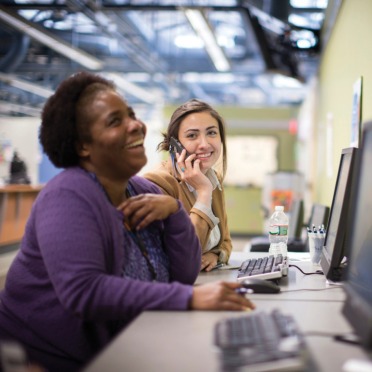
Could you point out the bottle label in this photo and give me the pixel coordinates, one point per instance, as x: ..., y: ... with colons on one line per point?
x: 280, y: 230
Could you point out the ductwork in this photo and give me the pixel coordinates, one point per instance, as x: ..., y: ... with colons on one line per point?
x: 13, y: 50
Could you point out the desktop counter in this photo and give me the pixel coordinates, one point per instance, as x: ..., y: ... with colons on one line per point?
x: 15, y: 206
x: 183, y: 341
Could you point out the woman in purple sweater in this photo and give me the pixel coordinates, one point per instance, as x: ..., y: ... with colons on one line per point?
x: 101, y: 244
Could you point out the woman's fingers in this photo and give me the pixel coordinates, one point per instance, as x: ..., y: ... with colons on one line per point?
x: 220, y: 296
x: 141, y: 210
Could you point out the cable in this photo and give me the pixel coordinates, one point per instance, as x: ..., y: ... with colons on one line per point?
x: 320, y: 334
x: 349, y: 338
x: 318, y: 272
x: 309, y: 289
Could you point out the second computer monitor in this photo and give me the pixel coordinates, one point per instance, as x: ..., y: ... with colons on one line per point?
x: 334, y: 245
x: 357, y: 307
x: 296, y: 220
x: 319, y: 215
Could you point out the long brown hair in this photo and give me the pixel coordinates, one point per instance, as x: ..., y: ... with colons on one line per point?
x: 190, y: 107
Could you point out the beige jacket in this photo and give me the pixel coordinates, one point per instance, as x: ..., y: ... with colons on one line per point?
x: 163, y: 177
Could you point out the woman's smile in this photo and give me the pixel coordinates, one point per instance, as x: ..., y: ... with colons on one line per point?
x: 137, y: 143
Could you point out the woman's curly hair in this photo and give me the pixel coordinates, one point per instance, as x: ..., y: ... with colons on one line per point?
x: 65, y: 119
x: 190, y: 107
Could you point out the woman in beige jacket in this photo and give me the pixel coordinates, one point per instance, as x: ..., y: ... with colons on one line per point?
x: 189, y: 175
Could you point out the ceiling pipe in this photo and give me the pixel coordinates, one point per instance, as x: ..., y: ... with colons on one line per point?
x: 44, y: 37
x: 17, y: 49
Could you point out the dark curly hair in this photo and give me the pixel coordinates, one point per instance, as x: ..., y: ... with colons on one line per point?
x: 65, y: 118
x: 190, y: 107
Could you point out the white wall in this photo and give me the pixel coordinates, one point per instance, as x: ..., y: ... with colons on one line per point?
x: 21, y: 135
x: 154, y: 121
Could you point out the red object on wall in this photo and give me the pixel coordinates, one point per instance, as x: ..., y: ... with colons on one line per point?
x: 293, y: 126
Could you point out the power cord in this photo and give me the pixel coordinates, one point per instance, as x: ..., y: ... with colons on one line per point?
x: 349, y: 338
x: 308, y: 289
x: 318, y: 272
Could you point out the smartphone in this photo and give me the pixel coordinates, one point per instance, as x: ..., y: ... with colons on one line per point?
x: 176, y: 146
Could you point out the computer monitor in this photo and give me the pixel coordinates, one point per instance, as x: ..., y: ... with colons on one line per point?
x: 334, y: 244
x: 319, y: 215
x: 296, y: 220
x: 357, y: 307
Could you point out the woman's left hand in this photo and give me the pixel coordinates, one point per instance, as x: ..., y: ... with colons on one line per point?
x: 143, y: 209
x: 209, y: 261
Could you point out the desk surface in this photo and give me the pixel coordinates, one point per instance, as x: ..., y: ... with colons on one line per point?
x: 15, y: 188
x: 296, y: 286
x: 183, y: 341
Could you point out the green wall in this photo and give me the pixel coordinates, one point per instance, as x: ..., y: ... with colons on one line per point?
x: 244, y: 213
x: 347, y: 56
x: 244, y: 204
x: 287, y: 144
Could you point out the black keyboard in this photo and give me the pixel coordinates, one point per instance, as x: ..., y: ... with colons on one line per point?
x: 268, y: 267
x: 262, y: 342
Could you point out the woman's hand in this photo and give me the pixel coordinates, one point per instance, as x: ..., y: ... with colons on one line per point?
x: 219, y: 296
x: 191, y: 173
x: 209, y: 261
x: 143, y: 209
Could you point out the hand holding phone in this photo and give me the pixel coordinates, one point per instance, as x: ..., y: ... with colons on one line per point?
x: 199, y: 181
x: 176, y: 147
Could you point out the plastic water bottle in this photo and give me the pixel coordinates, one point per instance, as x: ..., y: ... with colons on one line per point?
x: 278, y: 232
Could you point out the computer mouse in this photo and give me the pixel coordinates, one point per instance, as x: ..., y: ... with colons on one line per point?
x: 260, y: 285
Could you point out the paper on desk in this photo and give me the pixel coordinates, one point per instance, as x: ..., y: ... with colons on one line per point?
x: 299, y: 256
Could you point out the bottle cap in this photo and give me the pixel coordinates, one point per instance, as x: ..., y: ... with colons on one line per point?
x: 279, y: 208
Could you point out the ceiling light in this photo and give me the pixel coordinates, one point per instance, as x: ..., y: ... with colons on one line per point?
x: 305, y: 20
x: 303, y: 44
x: 200, y: 25
x: 188, y: 42
x: 321, y: 4
x: 208, y: 78
x: 280, y: 81
x: 133, y: 89
x: 48, y: 39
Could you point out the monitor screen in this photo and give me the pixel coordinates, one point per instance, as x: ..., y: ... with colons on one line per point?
x: 296, y: 219
x: 319, y: 215
x: 358, y: 284
x: 334, y: 252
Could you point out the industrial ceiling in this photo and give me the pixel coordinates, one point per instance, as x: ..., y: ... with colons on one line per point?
x: 243, y: 53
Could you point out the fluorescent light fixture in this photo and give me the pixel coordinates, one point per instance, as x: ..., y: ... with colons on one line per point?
x: 200, y: 25
x: 280, y: 81
x: 51, y: 41
x: 133, y: 89
x: 321, y: 4
x: 209, y: 78
x: 25, y: 85
x: 189, y: 42
x: 306, y: 20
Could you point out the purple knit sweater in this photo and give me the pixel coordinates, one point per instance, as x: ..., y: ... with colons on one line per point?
x: 64, y: 293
